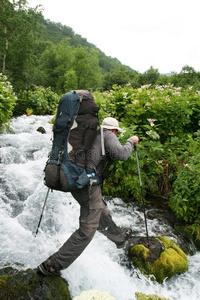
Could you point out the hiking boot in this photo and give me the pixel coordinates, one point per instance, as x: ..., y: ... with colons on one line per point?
x: 127, y: 235
x: 46, y: 268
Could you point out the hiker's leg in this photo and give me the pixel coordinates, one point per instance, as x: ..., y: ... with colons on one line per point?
x: 108, y: 227
x: 90, y: 212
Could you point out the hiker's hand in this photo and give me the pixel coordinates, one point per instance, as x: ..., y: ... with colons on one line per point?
x: 136, y: 139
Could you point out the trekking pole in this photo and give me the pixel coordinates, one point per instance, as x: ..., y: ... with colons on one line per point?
x: 42, y: 211
x: 135, y: 148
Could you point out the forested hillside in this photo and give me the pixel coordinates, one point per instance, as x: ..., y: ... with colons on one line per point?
x: 55, y: 32
x: 35, y: 51
x: 39, y: 52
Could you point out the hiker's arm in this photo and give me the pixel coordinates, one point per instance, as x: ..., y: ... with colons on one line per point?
x: 115, y: 149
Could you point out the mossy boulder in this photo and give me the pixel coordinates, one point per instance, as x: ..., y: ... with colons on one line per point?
x: 162, y: 258
x: 26, y: 285
x: 140, y: 296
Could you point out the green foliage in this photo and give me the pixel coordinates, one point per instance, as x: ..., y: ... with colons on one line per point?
x: 7, y: 100
x: 71, y: 81
x: 86, y: 67
x: 151, y: 76
x: 194, y: 231
x: 166, y: 119
x: 65, y: 68
x: 187, y: 77
x: 117, y: 76
x: 35, y: 51
x: 55, y: 32
x: 161, y: 112
x: 39, y: 101
x: 185, y: 199
x: 18, y: 32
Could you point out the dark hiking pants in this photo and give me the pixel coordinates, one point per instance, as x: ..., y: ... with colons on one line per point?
x: 94, y: 215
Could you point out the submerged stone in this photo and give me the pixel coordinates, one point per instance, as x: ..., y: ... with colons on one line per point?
x: 41, y: 129
x: 24, y: 285
x: 161, y: 258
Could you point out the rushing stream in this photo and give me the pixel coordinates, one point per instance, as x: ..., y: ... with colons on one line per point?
x: 23, y: 154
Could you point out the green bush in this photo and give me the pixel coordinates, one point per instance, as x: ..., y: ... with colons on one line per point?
x: 167, y: 120
x: 7, y: 100
x: 185, y: 198
x: 40, y: 101
x: 162, y: 112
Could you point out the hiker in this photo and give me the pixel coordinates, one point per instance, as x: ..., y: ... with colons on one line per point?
x: 94, y: 213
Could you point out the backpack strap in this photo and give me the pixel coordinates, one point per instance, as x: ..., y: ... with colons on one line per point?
x: 60, y: 154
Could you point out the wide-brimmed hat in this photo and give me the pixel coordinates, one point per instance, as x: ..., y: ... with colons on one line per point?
x: 110, y: 123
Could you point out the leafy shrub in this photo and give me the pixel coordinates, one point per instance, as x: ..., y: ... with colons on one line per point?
x: 7, y: 100
x: 185, y: 199
x: 163, y: 111
x: 41, y: 101
x: 166, y: 119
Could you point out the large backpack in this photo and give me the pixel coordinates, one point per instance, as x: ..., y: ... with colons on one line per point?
x: 74, y: 130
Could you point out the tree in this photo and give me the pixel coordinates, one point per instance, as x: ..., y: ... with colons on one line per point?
x: 46, y: 66
x: 149, y: 77
x: 187, y: 77
x: 63, y: 60
x: 7, y: 100
x: 86, y: 67
x: 18, y: 31
x: 117, y: 76
x: 71, y: 82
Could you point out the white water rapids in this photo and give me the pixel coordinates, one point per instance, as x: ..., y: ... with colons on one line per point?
x: 102, y: 266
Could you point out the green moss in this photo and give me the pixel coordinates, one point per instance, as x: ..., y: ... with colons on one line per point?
x: 141, y: 296
x: 139, y: 254
x: 23, y: 284
x: 171, y: 261
x: 3, y: 280
x: 12, y: 288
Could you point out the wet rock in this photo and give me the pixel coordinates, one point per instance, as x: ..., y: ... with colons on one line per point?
x: 41, y: 129
x: 26, y: 285
x: 154, y: 246
x: 190, y: 238
x: 160, y: 258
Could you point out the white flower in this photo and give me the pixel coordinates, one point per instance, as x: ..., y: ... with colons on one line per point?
x: 151, y: 121
x: 125, y: 94
x: 177, y: 93
x: 167, y: 99
x: 146, y: 86
x: 135, y: 101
